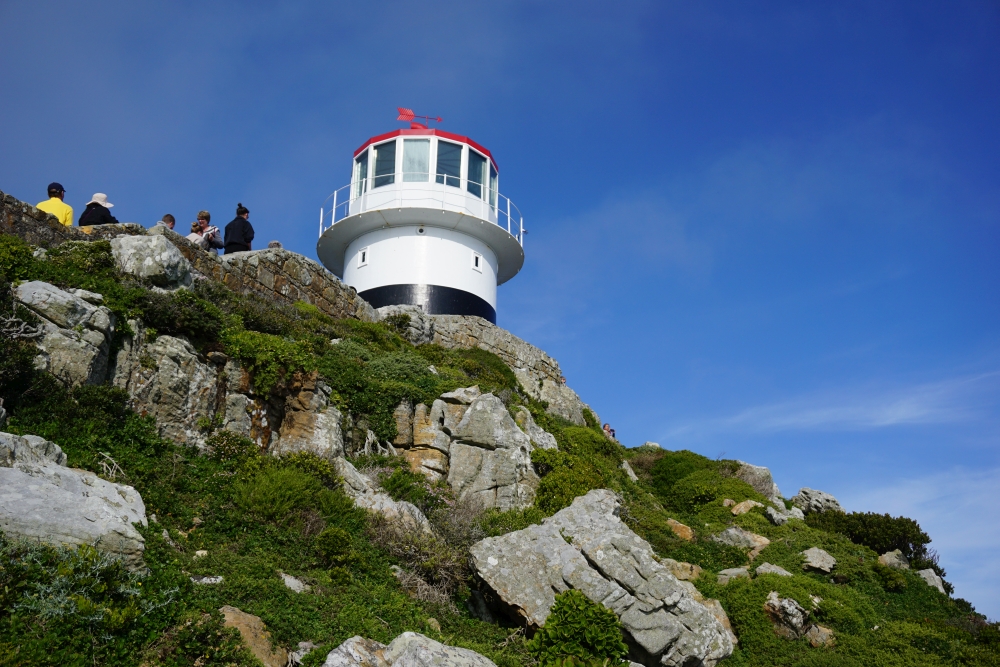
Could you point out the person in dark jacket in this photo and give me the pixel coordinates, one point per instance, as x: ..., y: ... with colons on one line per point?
x: 97, y: 212
x: 239, y: 232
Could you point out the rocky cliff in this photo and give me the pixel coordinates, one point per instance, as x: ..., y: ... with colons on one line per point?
x: 236, y: 460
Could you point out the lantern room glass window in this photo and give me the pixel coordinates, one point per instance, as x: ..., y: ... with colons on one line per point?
x: 449, y: 164
x: 416, y: 160
x: 360, y: 174
x: 385, y: 164
x: 477, y: 174
x: 493, y: 187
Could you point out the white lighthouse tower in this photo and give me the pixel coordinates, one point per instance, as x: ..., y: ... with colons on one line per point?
x: 423, y: 223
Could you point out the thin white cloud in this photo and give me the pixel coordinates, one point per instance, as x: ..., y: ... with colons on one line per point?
x: 953, y: 400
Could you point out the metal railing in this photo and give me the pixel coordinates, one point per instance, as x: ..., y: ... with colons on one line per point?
x: 408, y: 189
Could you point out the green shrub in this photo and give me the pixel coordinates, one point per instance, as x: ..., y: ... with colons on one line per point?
x: 16, y: 261
x: 274, y: 494
x: 495, y: 522
x: 333, y: 546
x: 267, y: 357
x: 707, y: 486
x: 581, y: 630
x: 181, y: 313
x: 564, y: 477
x: 671, y: 467
x: 404, y: 484
x: 229, y: 447
x: 892, y: 579
x: 879, y: 532
x: 201, y: 639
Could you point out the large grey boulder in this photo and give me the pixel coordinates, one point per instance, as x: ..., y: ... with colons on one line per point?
x: 789, y: 619
x: 166, y: 380
x: 779, y: 517
x: 587, y: 547
x: 759, y: 478
x: 41, y: 499
x: 409, y: 649
x: 366, y: 494
x: 77, y: 334
x: 933, y: 579
x: 735, y: 536
x: 562, y: 401
x: 490, y: 457
x: 539, y: 437
x: 152, y: 258
x: 811, y: 500
x: 894, y: 559
x: 818, y: 560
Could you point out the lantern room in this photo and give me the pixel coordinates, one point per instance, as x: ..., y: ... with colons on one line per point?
x: 423, y: 222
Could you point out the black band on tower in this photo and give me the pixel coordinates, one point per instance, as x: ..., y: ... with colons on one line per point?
x: 435, y: 299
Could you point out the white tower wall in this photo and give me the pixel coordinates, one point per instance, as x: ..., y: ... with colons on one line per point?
x: 421, y: 255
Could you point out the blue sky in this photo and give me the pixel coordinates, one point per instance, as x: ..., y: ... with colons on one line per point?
x: 767, y: 231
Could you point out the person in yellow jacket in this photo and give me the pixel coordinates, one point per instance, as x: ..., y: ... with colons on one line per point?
x: 56, y: 206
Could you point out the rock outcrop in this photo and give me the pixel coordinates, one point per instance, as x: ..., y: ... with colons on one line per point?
x: 167, y: 381
x: 367, y: 495
x: 818, y: 560
x: 779, y: 516
x: 77, y: 334
x: 152, y: 258
x: 811, y: 500
x: 791, y: 621
x: 735, y: 536
x: 759, y: 478
x: 490, y: 457
x: 409, y: 649
x: 41, y: 499
x: 933, y: 579
x: 894, y: 559
x: 587, y: 547
x: 255, y: 636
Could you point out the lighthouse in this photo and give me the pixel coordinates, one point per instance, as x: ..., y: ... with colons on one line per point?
x: 423, y: 223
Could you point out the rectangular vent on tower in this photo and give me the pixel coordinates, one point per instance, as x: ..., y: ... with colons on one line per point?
x: 363, y: 257
x: 477, y: 262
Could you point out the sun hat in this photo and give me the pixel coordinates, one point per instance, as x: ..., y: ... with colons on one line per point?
x: 100, y: 198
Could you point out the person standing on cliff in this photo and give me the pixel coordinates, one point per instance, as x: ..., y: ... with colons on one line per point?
x: 56, y: 206
x: 97, y: 212
x: 239, y: 232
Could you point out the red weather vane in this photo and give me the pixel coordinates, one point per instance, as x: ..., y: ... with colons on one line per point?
x: 408, y: 115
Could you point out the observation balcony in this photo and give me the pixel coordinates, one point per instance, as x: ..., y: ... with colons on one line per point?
x: 407, y: 199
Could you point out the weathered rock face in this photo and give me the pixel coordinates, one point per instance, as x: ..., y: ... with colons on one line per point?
x: 611, y: 565
x: 255, y: 636
x: 735, y: 536
x: 310, y: 423
x: 819, y: 560
x: 490, y: 459
x: 787, y: 616
x: 421, y: 327
x: 759, y: 478
x: 933, y: 579
x: 539, y: 437
x: 767, y: 568
x: 894, y: 559
x: 152, y: 258
x: 166, y: 380
x: 811, y: 500
x: 367, y: 495
x: 744, y: 507
x: 77, y: 334
x: 779, y: 517
x: 409, y: 649
x: 40, y: 498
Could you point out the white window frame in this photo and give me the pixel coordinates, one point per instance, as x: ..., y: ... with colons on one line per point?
x: 364, y: 256
x: 477, y: 265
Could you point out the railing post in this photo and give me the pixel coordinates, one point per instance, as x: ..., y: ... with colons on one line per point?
x: 508, y: 215
x: 333, y: 211
x: 321, y: 221
x: 522, y: 231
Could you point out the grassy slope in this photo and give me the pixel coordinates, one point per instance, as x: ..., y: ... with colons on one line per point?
x: 259, y: 515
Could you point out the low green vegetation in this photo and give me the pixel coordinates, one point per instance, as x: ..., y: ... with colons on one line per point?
x: 258, y: 516
x: 579, y: 633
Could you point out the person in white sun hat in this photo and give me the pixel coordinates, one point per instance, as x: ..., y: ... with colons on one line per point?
x: 97, y: 212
